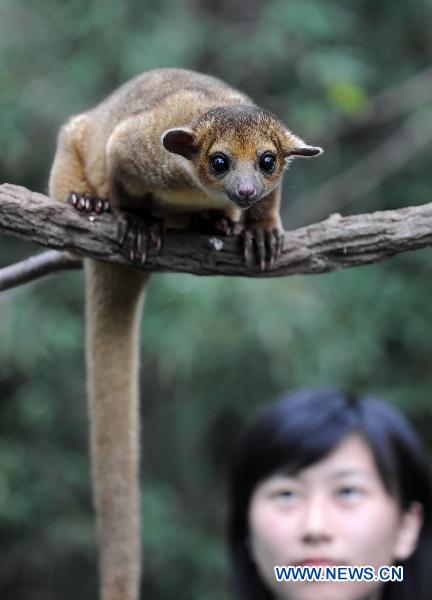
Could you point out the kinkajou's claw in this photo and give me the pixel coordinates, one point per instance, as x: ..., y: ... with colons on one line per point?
x: 262, y: 246
x: 84, y: 202
x: 140, y: 236
x: 247, y: 247
x: 72, y: 199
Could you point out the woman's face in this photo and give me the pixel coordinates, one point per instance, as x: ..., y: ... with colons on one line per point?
x: 335, y: 512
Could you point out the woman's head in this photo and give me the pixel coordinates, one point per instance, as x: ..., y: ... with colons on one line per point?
x: 321, y: 477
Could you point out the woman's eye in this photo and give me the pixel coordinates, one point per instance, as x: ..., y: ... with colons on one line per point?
x: 267, y: 163
x: 349, y: 491
x: 219, y: 163
x: 286, y: 494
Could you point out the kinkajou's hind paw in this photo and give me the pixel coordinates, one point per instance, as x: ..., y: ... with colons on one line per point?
x: 140, y: 236
x: 262, y: 244
x: 87, y: 203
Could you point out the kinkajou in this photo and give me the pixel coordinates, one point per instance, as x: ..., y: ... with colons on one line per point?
x: 170, y: 144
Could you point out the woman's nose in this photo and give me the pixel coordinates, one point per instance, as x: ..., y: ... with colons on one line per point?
x: 317, y: 522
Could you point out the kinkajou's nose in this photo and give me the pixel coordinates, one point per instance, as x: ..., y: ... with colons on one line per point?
x: 246, y: 190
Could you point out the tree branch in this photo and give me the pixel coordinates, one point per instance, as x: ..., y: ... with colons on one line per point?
x: 36, y: 267
x: 336, y: 243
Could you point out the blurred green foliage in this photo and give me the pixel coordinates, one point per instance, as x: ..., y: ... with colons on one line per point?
x: 214, y: 349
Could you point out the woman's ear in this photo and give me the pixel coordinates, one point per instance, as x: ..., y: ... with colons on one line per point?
x: 409, y: 531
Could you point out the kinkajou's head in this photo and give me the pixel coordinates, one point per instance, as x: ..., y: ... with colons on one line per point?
x: 240, y: 151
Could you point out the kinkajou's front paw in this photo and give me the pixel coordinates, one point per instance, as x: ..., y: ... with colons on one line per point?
x: 140, y: 236
x: 263, y: 245
x: 212, y: 223
x: 87, y: 203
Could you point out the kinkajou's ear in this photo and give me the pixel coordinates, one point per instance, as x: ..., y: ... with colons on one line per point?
x: 297, y: 147
x: 306, y: 151
x: 180, y: 141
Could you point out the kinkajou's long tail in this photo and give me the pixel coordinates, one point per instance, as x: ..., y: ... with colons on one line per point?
x: 114, y: 305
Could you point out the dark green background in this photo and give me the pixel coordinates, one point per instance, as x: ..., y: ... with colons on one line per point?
x: 214, y: 349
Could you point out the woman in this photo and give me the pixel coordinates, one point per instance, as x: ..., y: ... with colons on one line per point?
x: 323, y: 479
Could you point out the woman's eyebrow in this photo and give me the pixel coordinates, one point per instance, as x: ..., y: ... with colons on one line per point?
x: 334, y: 475
x: 349, y: 472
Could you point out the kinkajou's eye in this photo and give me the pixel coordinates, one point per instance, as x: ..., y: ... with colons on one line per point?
x: 219, y: 163
x: 267, y: 163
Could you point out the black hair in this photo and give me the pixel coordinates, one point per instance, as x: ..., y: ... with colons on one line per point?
x: 301, y: 429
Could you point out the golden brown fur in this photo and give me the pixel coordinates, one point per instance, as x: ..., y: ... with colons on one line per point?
x: 115, y: 151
